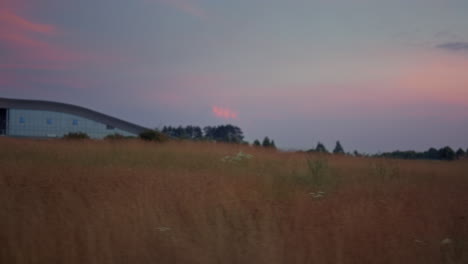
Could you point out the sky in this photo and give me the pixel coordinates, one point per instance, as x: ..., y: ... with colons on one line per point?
x: 378, y: 75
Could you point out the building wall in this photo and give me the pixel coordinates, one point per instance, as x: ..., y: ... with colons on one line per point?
x: 34, y: 123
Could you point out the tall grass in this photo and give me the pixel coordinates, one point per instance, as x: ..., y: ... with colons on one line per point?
x: 136, y: 202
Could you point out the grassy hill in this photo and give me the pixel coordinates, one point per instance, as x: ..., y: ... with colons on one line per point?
x: 185, y: 202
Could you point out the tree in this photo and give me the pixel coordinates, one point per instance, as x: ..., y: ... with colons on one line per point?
x: 256, y: 143
x: 431, y: 153
x: 321, y: 148
x: 209, y: 132
x: 338, y: 148
x: 266, y: 142
x: 460, y: 153
x: 188, y: 132
x: 224, y: 133
x: 272, y: 144
x: 446, y: 153
x: 197, y: 133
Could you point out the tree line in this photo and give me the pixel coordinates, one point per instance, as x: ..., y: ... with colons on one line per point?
x: 222, y: 133
x: 445, y: 153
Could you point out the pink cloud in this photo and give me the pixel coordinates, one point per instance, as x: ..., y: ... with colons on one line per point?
x: 32, y: 45
x: 17, y: 23
x: 26, y: 44
x: 437, y: 78
x: 224, y: 113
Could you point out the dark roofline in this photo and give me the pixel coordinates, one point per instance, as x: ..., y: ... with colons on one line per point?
x: 73, y: 110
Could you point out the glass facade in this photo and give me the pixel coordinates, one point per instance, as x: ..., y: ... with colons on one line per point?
x: 34, y: 123
x: 3, y: 121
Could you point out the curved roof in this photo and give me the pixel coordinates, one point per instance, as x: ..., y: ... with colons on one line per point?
x: 73, y: 110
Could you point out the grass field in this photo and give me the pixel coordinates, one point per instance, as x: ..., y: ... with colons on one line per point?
x: 184, y: 202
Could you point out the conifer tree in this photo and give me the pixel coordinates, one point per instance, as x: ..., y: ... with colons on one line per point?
x: 460, y: 153
x: 321, y: 148
x: 266, y: 142
x: 338, y: 148
x: 272, y: 144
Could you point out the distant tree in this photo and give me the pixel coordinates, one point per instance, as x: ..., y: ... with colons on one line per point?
x: 180, y: 132
x: 446, y: 153
x: 256, y: 143
x: 321, y: 148
x: 224, y: 133
x: 208, y: 132
x: 432, y: 154
x: 356, y: 153
x: 266, y: 142
x: 188, y: 132
x: 338, y: 148
x: 197, y: 133
x: 169, y: 131
x: 272, y: 144
x: 460, y: 153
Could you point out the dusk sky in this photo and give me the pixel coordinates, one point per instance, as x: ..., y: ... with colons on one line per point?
x: 378, y: 75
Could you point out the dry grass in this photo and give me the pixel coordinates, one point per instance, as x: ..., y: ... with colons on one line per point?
x: 135, y: 202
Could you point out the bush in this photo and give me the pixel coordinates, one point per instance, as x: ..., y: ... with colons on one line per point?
x: 153, y: 135
x: 76, y: 135
x: 116, y: 136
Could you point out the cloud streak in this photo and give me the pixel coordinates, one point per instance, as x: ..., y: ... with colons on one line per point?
x: 21, y: 24
x: 31, y: 45
x: 454, y: 46
x: 28, y: 44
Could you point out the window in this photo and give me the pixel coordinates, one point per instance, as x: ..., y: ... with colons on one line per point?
x: 109, y: 127
x: 75, y: 122
x: 49, y: 121
x: 21, y: 120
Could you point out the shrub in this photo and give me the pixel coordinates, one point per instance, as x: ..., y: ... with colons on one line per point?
x: 153, y: 135
x: 116, y: 136
x: 76, y: 135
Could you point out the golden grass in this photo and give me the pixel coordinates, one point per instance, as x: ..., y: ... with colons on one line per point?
x: 136, y: 202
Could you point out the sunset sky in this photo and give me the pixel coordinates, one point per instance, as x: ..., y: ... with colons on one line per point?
x: 378, y: 75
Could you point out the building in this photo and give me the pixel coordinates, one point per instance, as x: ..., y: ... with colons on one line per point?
x: 43, y: 119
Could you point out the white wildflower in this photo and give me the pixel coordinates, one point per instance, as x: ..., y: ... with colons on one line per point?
x: 446, y: 241
x: 317, y: 195
x: 163, y: 228
x: 236, y: 158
